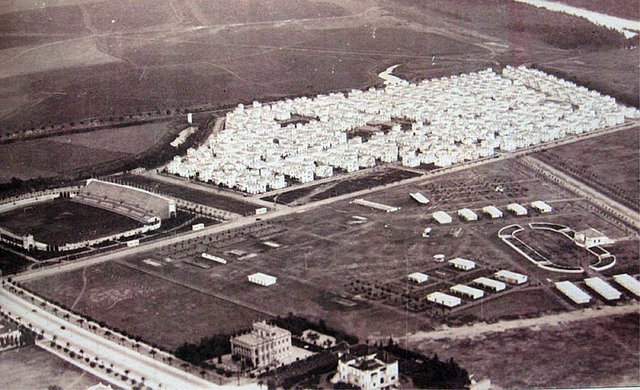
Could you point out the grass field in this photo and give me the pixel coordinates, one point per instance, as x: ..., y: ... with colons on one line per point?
x: 66, y: 154
x: 34, y: 368
x: 62, y: 221
x: 609, y: 163
x: 161, y: 312
x: 514, y: 305
x: 201, y: 197
x: 598, y: 353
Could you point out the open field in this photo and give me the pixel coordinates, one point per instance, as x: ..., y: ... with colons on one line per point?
x: 597, y: 352
x: 44, y: 158
x: 160, y: 311
x: 196, y: 196
x: 62, y: 221
x: 513, y: 305
x: 66, y: 154
x: 342, y: 185
x: 192, y: 55
x: 609, y: 163
x: 130, y: 139
x: 35, y: 368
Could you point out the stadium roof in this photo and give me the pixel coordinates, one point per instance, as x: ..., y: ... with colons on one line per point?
x: 573, y: 292
x: 490, y: 283
x: 629, y: 282
x: 467, y: 291
x: 603, y: 288
x: 442, y: 218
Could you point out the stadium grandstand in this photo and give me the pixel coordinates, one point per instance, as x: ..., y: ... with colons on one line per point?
x: 141, y: 205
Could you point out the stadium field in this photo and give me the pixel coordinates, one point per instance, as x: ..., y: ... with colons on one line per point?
x: 62, y: 221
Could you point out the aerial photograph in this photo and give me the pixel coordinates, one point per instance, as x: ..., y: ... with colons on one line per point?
x: 319, y: 194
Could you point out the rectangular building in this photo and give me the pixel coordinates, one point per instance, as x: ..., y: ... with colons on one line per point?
x: 262, y: 346
x: 628, y: 282
x: 490, y: 284
x: 492, y: 211
x: 573, y: 292
x: 418, y: 197
x: 462, y: 264
x: 603, y: 288
x: 262, y: 279
x: 418, y: 277
x: 541, y: 206
x: 467, y: 291
x: 375, y: 205
x: 468, y: 214
x: 444, y: 299
x: 511, y: 277
x: 517, y: 209
x: 442, y: 218
x: 369, y: 371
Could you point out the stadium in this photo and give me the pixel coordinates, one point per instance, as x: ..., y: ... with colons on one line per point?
x: 541, y: 255
x: 74, y: 218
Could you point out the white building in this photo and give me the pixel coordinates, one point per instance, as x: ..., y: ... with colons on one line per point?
x: 511, y: 277
x: 591, y: 237
x: 262, y: 279
x: 442, y: 218
x: 492, y: 211
x: 265, y: 344
x: 573, y: 292
x: 628, y: 282
x: 517, y: 209
x: 444, y: 299
x: 418, y: 197
x: 467, y: 291
x: 541, y: 206
x: 603, y: 288
x: 418, y: 277
x: 368, y: 371
x: 468, y: 214
x: 376, y: 205
x: 462, y: 264
x: 491, y: 284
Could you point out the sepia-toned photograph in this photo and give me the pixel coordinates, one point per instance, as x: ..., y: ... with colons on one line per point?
x: 319, y: 194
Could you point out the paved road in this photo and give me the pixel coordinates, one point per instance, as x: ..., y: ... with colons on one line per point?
x: 139, y: 365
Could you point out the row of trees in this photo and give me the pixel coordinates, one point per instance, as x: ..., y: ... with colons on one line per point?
x: 428, y: 372
x: 296, y: 325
